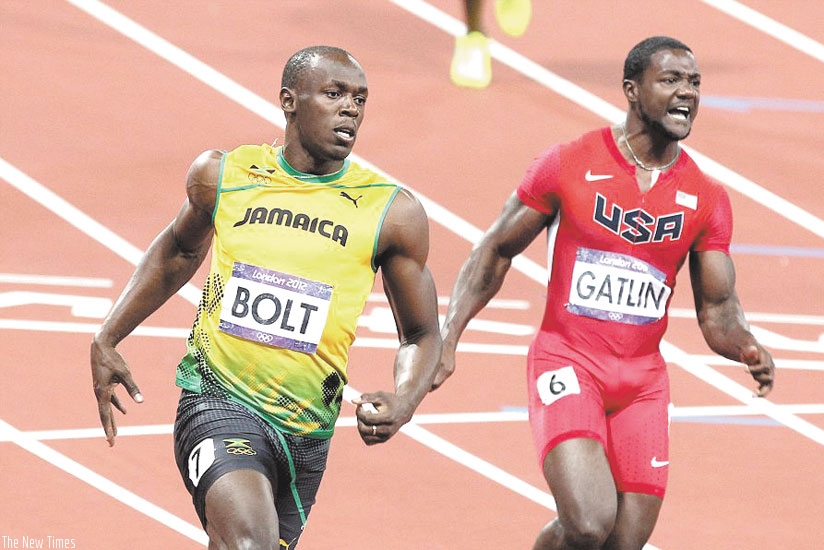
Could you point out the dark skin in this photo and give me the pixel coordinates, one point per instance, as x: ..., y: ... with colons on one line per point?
x: 663, y: 105
x: 591, y: 513
x: 323, y: 114
x: 472, y: 11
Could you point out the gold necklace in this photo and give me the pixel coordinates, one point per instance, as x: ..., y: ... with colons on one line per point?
x: 640, y: 164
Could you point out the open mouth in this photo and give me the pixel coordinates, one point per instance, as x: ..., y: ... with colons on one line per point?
x: 680, y: 113
x: 345, y: 133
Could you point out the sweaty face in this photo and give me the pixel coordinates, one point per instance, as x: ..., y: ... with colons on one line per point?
x: 331, y: 98
x: 669, y: 92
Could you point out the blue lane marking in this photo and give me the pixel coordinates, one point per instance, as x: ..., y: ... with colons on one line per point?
x: 746, y: 104
x: 765, y: 250
x: 739, y: 420
x: 699, y: 419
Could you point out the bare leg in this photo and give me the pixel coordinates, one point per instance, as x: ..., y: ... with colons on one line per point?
x: 473, y: 15
x: 580, y: 478
x: 471, y: 63
x: 240, y: 513
x: 637, y: 514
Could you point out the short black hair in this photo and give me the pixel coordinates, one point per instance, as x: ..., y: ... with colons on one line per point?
x: 638, y: 58
x: 300, y: 61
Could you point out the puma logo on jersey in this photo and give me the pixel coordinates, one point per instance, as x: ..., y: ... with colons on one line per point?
x: 256, y: 168
x: 344, y: 194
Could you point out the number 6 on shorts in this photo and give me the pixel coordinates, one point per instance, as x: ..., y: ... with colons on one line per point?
x: 555, y: 384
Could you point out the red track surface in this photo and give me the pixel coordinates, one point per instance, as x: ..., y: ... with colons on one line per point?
x: 111, y: 128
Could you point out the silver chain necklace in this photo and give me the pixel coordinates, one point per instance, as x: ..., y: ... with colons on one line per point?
x: 640, y: 164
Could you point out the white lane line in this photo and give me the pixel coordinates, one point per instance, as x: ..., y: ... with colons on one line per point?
x: 54, y: 280
x: 105, y: 14
x: 79, y: 219
x: 769, y: 26
x: 730, y: 178
x: 741, y: 393
x: 182, y: 333
x: 469, y: 460
x: 613, y: 114
x: 784, y: 364
x: 268, y: 111
x: 424, y: 419
x: 758, y: 316
x: 74, y: 468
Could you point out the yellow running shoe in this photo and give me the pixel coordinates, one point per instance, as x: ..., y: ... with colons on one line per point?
x: 513, y: 15
x: 471, y: 64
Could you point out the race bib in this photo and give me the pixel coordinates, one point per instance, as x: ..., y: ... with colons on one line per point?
x: 274, y: 308
x: 200, y: 459
x: 617, y: 287
x: 555, y: 384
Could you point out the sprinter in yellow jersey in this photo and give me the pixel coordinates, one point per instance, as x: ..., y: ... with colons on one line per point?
x: 297, y: 234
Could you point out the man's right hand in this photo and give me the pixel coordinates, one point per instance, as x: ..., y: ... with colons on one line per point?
x: 108, y: 370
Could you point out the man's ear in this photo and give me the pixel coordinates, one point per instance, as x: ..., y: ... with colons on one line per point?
x: 630, y: 90
x: 287, y: 100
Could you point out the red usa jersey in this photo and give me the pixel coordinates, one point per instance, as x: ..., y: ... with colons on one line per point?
x: 617, y: 250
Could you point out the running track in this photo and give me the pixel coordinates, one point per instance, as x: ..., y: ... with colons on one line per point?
x: 105, y: 105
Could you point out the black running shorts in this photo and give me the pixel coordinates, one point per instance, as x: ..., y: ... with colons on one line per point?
x: 214, y: 436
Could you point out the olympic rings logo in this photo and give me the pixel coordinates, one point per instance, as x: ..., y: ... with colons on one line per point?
x: 613, y: 316
x: 241, y: 451
x: 263, y: 337
x: 239, y: 446
x: 259, y: 179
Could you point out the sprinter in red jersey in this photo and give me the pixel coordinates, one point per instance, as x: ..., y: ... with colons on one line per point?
x: 625, y: 206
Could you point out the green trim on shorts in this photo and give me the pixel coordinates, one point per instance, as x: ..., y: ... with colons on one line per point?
x: 293, y: 476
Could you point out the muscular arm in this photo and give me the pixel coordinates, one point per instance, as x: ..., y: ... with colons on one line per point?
x: 170, y: 261
x: 721, y: 316
x: 482, y: 275
x: 403, y: 248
